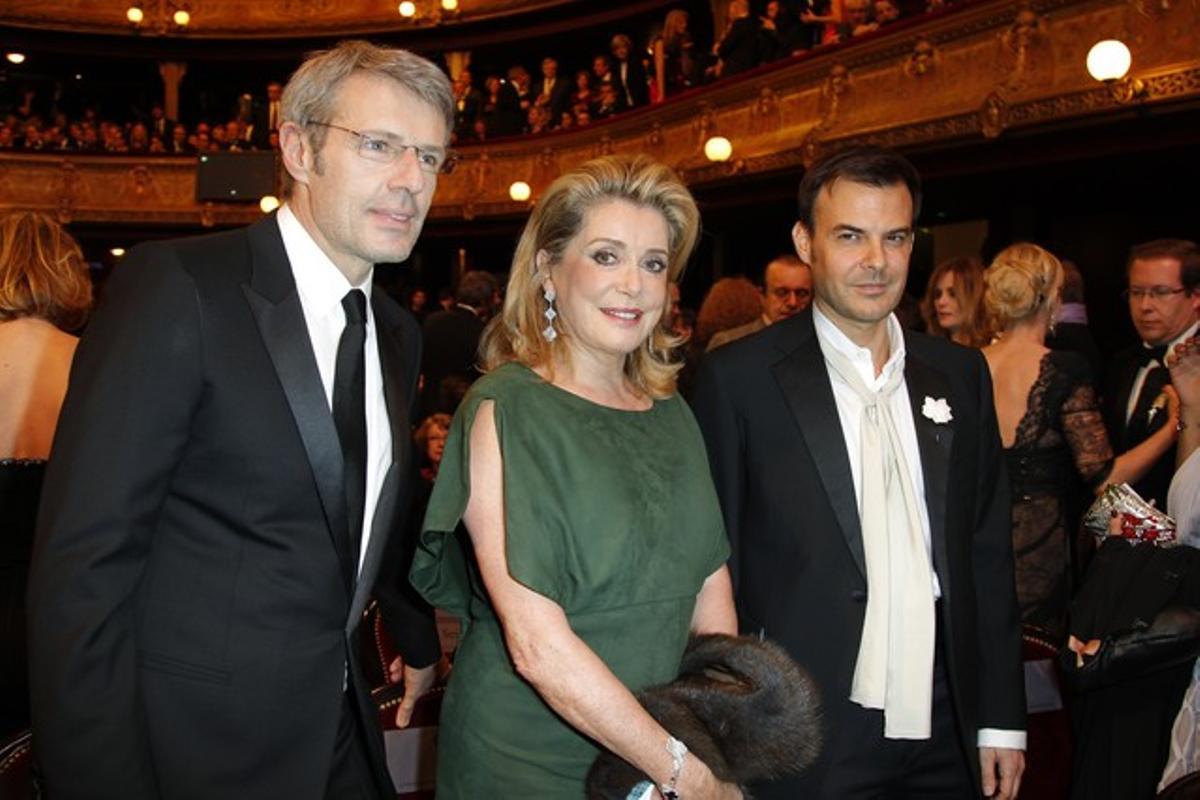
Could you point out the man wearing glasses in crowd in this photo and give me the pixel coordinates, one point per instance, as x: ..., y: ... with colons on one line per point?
x: 1164, y: 303
x: 232, y: 459
x: 787, y: 290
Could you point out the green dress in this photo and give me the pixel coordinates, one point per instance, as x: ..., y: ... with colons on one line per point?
x: 609, y: 513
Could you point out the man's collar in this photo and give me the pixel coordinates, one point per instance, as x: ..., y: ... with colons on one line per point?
x: 318, y: 280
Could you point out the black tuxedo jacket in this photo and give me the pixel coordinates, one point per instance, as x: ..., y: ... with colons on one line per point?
x: 192, y: 607
x: 766, y: 407
x: 451, y: 349
x: 1122, y: 371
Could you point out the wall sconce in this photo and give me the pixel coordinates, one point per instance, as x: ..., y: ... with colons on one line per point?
x: 519, y: 191
x: 718, y: 148
x: 1108, y: 62
x: 15, y: 58
x: 268, y: 203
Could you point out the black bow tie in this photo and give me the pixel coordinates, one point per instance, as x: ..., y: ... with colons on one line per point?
x: 1152, y: 355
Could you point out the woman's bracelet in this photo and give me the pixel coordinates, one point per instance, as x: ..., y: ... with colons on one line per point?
x: 678, y: 751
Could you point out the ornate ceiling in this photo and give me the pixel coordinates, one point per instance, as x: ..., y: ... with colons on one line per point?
x: 234, y: 19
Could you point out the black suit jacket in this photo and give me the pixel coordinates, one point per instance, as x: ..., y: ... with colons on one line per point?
x: 767, y: 410
x: 1122, y: 371
x: 634, y: 82
x: 739, y: 49
x: 193, y: 610
x: 451, y: 350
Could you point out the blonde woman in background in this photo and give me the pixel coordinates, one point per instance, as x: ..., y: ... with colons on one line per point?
x: 45, y: 296
x: 1051, y: 427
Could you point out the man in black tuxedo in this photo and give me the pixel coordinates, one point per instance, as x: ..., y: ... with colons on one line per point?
x: 452, y: 342
x: 232, y: 457
x: 554, y: 92
x: 860, y: 474
x: 1164, y: 302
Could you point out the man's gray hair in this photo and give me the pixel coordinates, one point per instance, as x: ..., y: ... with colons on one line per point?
x: 311, y: 93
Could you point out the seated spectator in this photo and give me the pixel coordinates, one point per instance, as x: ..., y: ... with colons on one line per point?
x: 500, y: 112
x: 6, y: 138
x: 582, y: 94
x: 139, y: 138
x: 885, y: 12
x: 468, y: 106
x: 518, y: 78
x: 770, y: 37
x: 629, y: 72
x: 738, y: 48
x: 680, y: 63
x: 858, y: 19
x: 607, y: 104
x: 602, y: 76
x: 179, y: 144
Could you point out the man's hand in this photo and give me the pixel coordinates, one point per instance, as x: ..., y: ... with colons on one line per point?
x: 416, y: 683
x: 1009, y: 764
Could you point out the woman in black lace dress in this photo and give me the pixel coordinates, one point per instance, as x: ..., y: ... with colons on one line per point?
x: 1051, y: 427
x: 44, y: 291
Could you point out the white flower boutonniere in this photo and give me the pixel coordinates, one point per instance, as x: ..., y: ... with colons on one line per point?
x: 937, y: 410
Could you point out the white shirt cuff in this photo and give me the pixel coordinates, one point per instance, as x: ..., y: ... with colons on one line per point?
x: 994, y: 737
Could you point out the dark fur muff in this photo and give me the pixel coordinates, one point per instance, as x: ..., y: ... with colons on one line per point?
x: 741, y: 705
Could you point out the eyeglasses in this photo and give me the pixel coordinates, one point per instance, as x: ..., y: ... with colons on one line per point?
x: 1155, y: 293
x: 385, y: 150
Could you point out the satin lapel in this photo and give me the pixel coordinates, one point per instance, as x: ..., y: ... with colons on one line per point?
x: 934, y: 441
x: 1129, y: 371
x: 804, y: 380
x: 275, y: 304
x: 392, y: 493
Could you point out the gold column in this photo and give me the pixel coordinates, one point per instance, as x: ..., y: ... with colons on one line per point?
x: 172, y: 73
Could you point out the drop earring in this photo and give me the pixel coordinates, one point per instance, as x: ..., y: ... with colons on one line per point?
x: 548, y: 333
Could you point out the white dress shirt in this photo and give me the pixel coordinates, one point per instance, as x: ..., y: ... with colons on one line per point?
x: 1139, y: 379
x: 850, y: 408
x: 321, y: 287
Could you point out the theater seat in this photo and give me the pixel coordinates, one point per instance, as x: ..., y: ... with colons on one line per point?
x: 411, y: 752
x: 1048, y: 749
x: 17, y: 780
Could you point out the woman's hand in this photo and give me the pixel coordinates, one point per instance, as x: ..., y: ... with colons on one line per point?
x: 1184, y: 363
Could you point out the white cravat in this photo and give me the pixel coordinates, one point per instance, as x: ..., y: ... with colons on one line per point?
x: 894, y: 670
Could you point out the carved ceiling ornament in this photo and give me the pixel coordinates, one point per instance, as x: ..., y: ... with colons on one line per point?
x: 836, y: 87
x: 993, y: 115
x: 654, y: 138
x: 923, y: 60
x: 1025, y: 47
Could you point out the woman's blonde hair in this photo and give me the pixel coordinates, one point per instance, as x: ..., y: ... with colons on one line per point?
x: 516, y: 333
x: 968, y: 288
x: 42, y: 272
x: 1021, y: 282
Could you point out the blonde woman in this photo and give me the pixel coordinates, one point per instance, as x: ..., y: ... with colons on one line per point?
x: 45, y: 296
x: 1050, y: 425
x: 594, y: 540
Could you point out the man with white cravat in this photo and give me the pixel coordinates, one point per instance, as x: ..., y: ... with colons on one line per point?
x: 860, y: 474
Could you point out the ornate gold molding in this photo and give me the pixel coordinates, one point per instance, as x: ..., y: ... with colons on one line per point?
x: 241, y: 19
x: 974, y: 84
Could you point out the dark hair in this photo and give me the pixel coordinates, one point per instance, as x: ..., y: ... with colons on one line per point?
x: 1183, y: 251
x: 477, y: 288
x: 867, y: 164
x: 1072, y: 288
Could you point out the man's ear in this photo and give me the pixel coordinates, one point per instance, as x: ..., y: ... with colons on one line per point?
x: 802, y: 241
x: 295, y: 149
